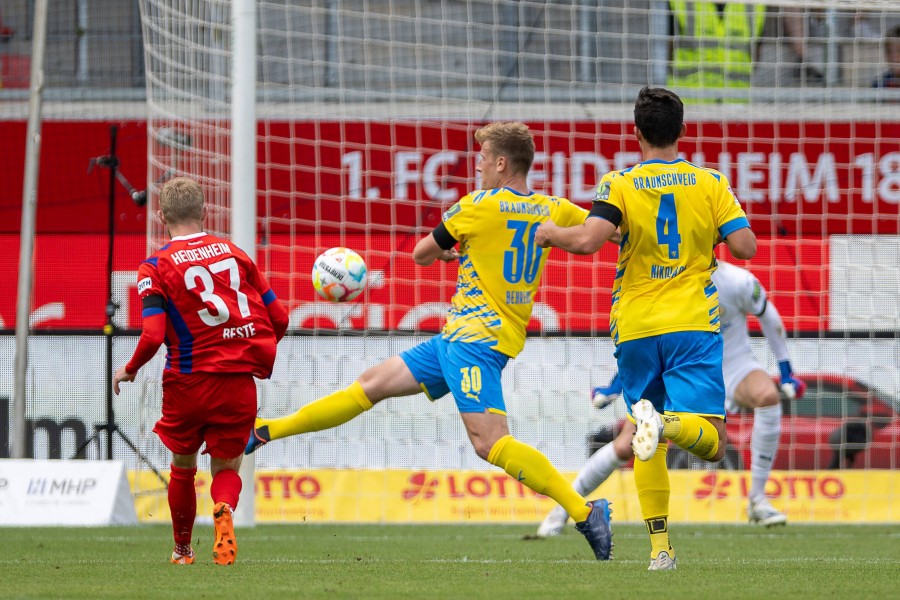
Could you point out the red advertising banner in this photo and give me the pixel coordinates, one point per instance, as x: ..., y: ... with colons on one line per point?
x: 70, y: 289
x: 793, y: 177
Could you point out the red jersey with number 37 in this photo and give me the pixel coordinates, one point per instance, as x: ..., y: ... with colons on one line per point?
x: 215, y: 302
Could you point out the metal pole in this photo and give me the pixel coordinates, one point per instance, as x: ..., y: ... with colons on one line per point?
x: 331, y: 73
x: 587, y: 41
x: 659, y: 43
x: 243, y: 178
x: 110, y: 327
x: 832, y: 50
x: 84, y: 26
x: 26, y: 235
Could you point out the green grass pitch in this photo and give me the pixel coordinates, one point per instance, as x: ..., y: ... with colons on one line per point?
x: 452, y: 561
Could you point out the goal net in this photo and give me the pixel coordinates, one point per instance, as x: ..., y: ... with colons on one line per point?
x: 366, y: 115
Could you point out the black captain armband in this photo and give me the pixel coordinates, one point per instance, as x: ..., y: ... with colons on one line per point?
x: 153, y: 301
x: 443, y: 237
x: 607, y: 211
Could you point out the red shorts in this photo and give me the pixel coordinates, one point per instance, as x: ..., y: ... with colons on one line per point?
x: 205, y: 407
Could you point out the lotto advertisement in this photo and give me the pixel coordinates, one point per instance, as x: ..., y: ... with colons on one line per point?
x: 401, y: 496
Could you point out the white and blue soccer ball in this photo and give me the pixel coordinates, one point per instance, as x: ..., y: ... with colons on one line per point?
x: 339, y: 275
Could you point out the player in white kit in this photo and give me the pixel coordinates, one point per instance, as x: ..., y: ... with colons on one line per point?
x: 746, y: 384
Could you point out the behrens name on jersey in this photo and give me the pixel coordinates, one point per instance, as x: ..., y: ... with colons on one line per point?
x: 201, y: 253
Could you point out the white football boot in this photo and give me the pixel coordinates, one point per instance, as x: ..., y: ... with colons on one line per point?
x: 554, y: 523
x: 763, y: 513
x: 649, y: 429
x: 663, y: 562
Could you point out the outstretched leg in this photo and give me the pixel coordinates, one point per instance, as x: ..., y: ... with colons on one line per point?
x: 388, y: 379
x: 490, y: 437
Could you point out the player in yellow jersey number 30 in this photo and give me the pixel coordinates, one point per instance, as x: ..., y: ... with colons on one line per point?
x: 500, y: 268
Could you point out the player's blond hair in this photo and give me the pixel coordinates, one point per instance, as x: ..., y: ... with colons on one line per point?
x: 512, y: 140
x: 181, y: 201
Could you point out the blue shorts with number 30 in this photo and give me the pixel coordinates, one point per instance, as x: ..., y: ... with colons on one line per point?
x: 468, y: 369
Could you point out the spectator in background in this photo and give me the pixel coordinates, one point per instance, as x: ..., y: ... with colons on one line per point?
x: 865, y: 25
x: 891, y: 77
x: 6, y: 32
x: 714, y: 45
x: 807, y: 33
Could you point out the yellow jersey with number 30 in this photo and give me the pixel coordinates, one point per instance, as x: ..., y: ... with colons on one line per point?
x: 500, y: 266
x: 672, y: 214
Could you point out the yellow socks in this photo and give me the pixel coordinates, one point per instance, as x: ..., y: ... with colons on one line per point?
x: 528, y: 465
x: 651, y: 478
x: 693, y: 433
x: 658, y: 528
x: 326, y: 412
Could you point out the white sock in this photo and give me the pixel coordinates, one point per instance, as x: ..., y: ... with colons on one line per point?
x: 598, y: 468
x: 763, y: 445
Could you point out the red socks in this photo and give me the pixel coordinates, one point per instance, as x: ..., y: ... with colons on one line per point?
x: 226, y: 487
x: 182, y: 504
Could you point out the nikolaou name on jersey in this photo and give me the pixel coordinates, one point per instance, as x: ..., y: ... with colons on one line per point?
x: 663, y: 272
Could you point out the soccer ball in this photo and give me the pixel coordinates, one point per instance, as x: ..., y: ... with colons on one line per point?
x: 339, y: 275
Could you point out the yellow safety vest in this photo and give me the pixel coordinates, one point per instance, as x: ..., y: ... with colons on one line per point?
x: 713, y: 49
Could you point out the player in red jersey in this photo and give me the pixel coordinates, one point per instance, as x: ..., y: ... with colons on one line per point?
x: 208, y: 302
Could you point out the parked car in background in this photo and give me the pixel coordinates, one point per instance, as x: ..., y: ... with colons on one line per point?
x: 840, y: 423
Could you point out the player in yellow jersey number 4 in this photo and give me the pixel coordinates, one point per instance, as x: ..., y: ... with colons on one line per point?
x: 500, y: 268
x: 665, y: 312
